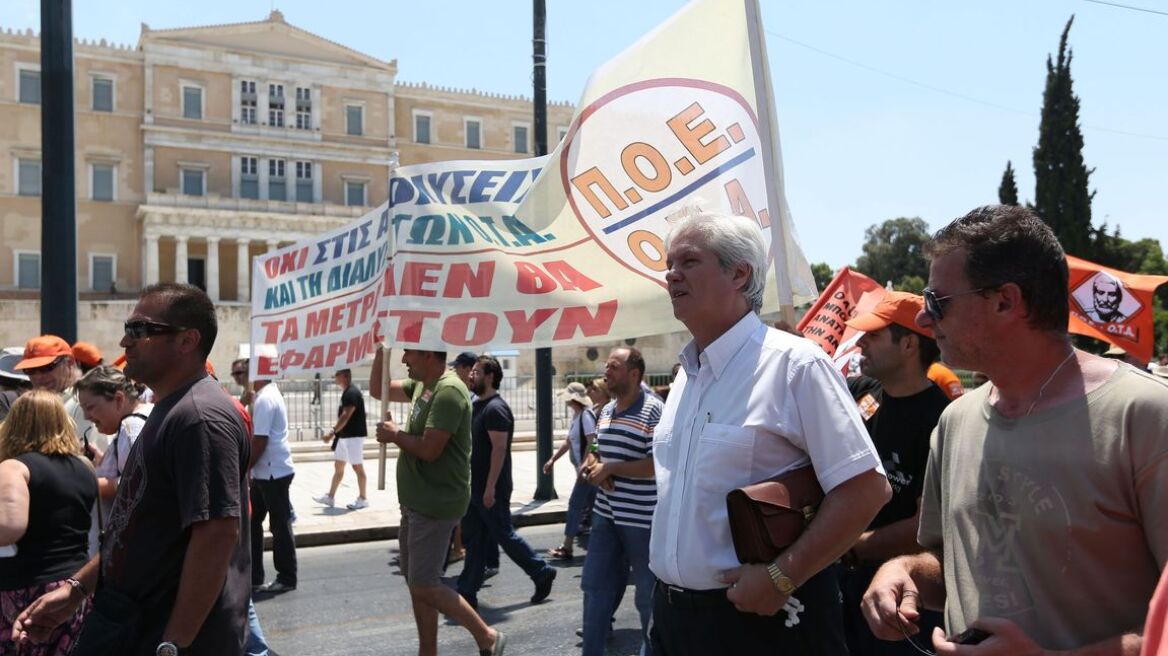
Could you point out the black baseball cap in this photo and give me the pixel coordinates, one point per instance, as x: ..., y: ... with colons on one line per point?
x: 464, y: 359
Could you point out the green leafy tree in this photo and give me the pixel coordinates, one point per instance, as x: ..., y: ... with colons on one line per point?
x: 894, y: 251
x: 1061, y: 196
x: 823, y: 274
x: 1008, y: 190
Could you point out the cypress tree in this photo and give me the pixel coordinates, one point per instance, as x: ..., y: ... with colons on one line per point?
x: 1008, y: 190
x: 1061, y: 197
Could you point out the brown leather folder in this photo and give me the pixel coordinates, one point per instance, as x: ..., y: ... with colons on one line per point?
x: 768, y: 516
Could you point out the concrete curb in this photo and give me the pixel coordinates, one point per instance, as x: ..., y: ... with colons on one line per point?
x: 374, y: 533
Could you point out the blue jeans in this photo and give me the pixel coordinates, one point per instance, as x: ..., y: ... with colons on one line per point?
x: 482, y: 527
x: 256, y: 644
x: 612, y: 551
x: 582, y: 497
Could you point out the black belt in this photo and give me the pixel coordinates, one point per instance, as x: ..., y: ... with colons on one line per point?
x: 686, y: 598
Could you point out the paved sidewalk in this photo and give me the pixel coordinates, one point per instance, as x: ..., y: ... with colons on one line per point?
x: 317, y: 525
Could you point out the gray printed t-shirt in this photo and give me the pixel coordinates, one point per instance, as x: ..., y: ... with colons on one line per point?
x: 1055, y: 521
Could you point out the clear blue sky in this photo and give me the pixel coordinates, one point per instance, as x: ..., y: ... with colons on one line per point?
x: 885, y: 109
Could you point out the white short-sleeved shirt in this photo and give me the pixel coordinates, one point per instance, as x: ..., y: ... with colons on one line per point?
x: 270, y: 418
x: 756, y: 403
x: 114, y: 463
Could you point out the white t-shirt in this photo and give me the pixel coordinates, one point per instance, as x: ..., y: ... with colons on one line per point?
x: 270, y: 418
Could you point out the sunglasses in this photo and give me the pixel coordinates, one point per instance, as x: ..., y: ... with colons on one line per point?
x: 141, y: 329
x: 935, y: 305
x: 44, y: 369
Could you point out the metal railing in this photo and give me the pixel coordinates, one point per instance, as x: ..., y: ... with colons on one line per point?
x: 313, y: 404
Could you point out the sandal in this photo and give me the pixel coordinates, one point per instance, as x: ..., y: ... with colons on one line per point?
x: 560, y: 553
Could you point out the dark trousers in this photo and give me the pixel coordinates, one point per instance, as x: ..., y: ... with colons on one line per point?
x: 481, y: 523
x: 689, y: 624
x: 270, y: 498
x: 853, y: 582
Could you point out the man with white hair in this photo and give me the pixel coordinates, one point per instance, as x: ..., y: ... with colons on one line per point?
x: 750, y: 402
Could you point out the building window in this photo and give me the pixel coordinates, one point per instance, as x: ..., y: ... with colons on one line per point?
x: 354, y: 120
x: 192, y: 100
x: 101, y: 182
x: 103, y: 94
x: 304, y: 182
x: 276, y: 105
x: 519, y: 132
x: 277, y: 180
x: 422, y: 128
x: 30, y: 88
x: 249, y: 179
x: 303, y: 108
x: 474, y: 137
x: 194, y: 182
x: 102, y: 272
x: 28, y: 269
x: 247, y: 102
x: 354, y: 193
x: 28, y: 177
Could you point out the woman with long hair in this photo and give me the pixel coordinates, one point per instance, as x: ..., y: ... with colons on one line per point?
x: 113, y: 403
x: 46, y: 492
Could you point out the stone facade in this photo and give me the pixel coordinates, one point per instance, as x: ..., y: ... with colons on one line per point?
x: 202, y: 147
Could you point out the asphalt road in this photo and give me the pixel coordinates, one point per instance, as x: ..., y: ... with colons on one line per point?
x: 350, y: 601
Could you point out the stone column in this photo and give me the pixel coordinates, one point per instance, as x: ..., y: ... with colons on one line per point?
x: 213, y: 268
x: 151, y: 259
x: 180, y: 258
x: 242, y: 272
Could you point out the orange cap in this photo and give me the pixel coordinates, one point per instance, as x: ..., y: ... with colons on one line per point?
x: 42, y: 350
x: 900, y: 308
x: 87, y: 354
x: 120, y: 363
x: 210, y: 369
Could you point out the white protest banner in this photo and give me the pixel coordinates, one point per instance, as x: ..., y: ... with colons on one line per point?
x: 673, y: 121
x: 562, y: 250
x: 314, y: 304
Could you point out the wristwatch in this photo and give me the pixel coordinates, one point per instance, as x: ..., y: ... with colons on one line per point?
x: 167, y: 649
x: 783, y: 583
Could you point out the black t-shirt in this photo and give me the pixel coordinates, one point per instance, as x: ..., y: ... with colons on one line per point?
x: 355, y: 427
x: 61, y: 492
x: 188, y: 465
x: 490, y: 414
x: 900, y: 428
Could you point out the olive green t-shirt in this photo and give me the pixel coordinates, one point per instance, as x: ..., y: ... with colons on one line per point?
x: 439, y: 489
x: 1055, y: 521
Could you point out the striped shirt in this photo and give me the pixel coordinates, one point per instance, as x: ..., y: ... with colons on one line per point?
x: 623, y: 437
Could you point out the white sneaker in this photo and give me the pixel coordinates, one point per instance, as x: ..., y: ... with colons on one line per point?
x: 325, y: 499
x: 358, y: 503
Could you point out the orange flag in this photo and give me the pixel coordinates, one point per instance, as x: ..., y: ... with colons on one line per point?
x: 847, y: 295
x: 1113, y: 306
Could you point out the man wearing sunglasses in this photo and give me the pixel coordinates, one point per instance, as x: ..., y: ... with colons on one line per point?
x: 176, y: 550
x: 1042, y: 512
x: 50, y: 365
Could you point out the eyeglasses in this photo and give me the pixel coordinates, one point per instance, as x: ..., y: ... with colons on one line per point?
x: 32, y: 371
x: 141, y: 329
x: 935, y: 305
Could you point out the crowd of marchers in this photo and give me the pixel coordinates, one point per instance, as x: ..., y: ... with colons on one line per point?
x: 1022, y: 516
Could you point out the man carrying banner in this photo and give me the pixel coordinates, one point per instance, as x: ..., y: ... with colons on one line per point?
x: 1039, y: 514
x: 750, y: 402
x: 900, y: 406
x: 433, y: 485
